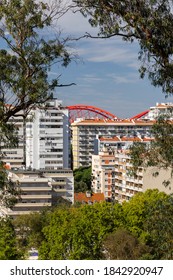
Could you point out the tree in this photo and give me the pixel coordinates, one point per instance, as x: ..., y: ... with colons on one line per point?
x: 148, y: 216
x: 9, y: 190
x: 29, y: 50
x: 28, y: 229
x: 76, y: 233
x: 138, y: 229
x: 8, y: 244
x: 29, y: 54
x: 82, y: 179
x: 136, y: 211
x: 147, y: 21
x: 122, y: 245
x: 159, y: 224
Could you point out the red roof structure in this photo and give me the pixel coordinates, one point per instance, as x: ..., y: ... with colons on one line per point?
x: 88, y: 197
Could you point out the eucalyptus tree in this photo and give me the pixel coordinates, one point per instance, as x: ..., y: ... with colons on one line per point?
x: 30, y: 45
x: 149, y: 22
x: 30, y: 49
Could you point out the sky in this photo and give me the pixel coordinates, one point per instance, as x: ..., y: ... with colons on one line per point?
x: 106, y: 74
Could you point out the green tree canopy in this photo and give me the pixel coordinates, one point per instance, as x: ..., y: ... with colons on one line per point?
x: 8, y: 244
x: 77, y: 232
x: 150, y: 22
x: 140, y: 229
x: 122, y: 245
x: 82, y: 179
x: 159, y: 224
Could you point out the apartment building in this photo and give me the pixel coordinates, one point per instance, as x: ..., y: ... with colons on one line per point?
x: 48, y: 138
x: 40, y: 190
x: 159, y: 109
x: 103, y: 174
x: 45, y: 141
x: 62, y: 184
x: 36, y: 194
x: 110, y: 170
x: 85, y: 132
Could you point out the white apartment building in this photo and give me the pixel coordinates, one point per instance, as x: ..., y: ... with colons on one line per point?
x: 47, y: 140
x: 36, y: 194
x: 85, y: 132
x: 40, y: 190
x: 159, y: 109
x: 62, y: 184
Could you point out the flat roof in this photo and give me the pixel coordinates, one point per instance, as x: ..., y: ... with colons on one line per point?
x: 122, y: 122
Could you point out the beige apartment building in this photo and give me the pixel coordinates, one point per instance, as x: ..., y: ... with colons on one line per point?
x: 84, y: 132
x: 40, y: 190
x: 110, y: 171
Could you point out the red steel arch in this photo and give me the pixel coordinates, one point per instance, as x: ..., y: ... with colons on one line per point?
x: 140, y: 115
x: 88, y: 112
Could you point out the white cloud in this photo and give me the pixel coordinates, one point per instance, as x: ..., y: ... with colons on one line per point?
x: 90, y: 78
x: 114, y: 51
x: 129, y: 78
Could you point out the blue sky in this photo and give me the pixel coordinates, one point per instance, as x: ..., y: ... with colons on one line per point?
x: 106, y: 75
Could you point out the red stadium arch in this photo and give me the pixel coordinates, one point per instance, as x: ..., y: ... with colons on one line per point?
x: 140, y: 115
x: 88, y: 112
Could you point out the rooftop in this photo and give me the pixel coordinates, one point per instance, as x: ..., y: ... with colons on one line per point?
x: 84, y: 198
x: 125, y: 139
x: 113, y: 122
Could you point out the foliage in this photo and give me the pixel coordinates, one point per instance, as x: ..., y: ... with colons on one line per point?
x: 122, y: 245
x: 82, y: 179
x: 29, y: 54
x: 147, y: 21
x: 137, y: 209
x: 159, y: 224
x: 130, y: 231
x: 9, y: 190
x: 8, y: 248
x: 138, y: 229
x: 77, y: 232
x: 29, y: 229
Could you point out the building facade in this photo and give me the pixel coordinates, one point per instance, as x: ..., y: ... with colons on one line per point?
x: 39, y: 190
x: 159, y: 109
x: 44, y: 143
x: 86, y: 131
x: 48, y: 138
x: 111, y: 171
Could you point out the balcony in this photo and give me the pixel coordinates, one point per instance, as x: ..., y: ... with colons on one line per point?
x: 34, y: 204
x: 60, y: 190
x: 27, y: 189
x: 38, y: 196
x: 63, y: 183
